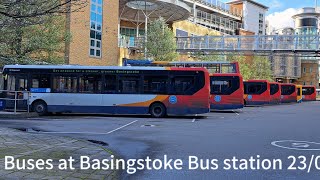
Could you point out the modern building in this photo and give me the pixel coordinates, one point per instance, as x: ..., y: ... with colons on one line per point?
x: 104, y: 32
x: 285, y: 67
x: 254, y: 15
x: 307, y: 23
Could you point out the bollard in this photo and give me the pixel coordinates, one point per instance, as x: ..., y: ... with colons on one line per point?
x: 15, y: 102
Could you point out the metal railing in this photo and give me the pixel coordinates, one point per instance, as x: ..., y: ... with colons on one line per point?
x: 16, y: 97
x: 131, y: 42
x: 213, y: 20
x: 216, y: 4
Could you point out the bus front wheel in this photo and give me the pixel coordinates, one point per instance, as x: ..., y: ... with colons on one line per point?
x: 158, y: 110
x: 40, y: 107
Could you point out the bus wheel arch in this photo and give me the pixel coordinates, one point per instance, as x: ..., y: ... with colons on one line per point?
x: 40, y: 107
x: 158, y: 109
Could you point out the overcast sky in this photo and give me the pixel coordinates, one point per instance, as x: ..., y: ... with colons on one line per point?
x: 280, y: 11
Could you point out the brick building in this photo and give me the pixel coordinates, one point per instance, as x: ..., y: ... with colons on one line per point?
x: 104, y: 32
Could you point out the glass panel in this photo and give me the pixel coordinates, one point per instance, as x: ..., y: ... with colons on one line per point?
x: 129, y: 85
x: 92, y: 34
x: 92, y: 52
x: 93, y: 16
x: 155, y: 85
x: 98, y: 35
x: 99, y: 27
x: 93, y: 25
x: 90, y: 84
x: 99, y: 10
x: 98, y: 53
x: 93, y: 7
x: 110, y: 85
x: 64, y: 84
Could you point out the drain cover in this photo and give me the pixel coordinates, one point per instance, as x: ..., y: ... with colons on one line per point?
x: 148, y: 125
x: 98, y: 142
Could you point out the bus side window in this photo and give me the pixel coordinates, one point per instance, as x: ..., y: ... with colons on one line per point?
x: 66, y: 84
x: 129, y: 84
x: 11, y: 83
x: 90, y: 84
x: 184, y: 84
x: 40, y: 81
x: 155, y: 84
x: 110, y: 84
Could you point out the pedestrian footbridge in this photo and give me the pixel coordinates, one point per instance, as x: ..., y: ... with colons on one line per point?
x: 304, y: 45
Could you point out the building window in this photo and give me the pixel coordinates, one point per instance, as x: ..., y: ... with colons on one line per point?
x: 304, y: 70
x: 304, y: 83
x: 310, y: 69
x: 131, y: 32
x: 261, y: 21
x: 311, y: 83
x: 95, y: 28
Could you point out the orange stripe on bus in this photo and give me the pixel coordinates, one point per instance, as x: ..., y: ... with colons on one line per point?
x: 160, y: 98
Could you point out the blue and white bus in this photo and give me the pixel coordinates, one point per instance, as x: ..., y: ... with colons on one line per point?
x: 113, y: 90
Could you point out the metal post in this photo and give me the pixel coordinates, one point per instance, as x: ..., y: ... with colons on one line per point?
x: 15, y: 102
x: 145, y: 30
x: 28, y: 103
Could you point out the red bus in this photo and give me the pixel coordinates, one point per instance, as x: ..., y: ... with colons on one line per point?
x: 309, y: 93
x: 158, y: 91
x: 226, y: 91
x: 226, y: 80
x: 256, y: 92
x: 288, y: 93
x: 275, y: 93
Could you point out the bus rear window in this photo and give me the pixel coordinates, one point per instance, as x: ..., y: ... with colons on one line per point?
x: 287, y: 90
x: 255, y: 87
x: 224, y: 85
x: 307, y: 90
x: 274, y: 88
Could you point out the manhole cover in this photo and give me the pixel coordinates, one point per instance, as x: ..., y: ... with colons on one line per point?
x: 297, y: 145
x: 148, y: 125
x: 98, y: 142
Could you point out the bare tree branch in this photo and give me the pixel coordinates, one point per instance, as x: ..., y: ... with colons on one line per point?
x: 34, y: 8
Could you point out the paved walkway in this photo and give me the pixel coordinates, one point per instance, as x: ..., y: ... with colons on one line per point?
x: 23, y: 145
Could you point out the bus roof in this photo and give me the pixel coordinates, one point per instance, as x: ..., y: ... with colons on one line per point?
x: 257, y: 80
x: 91, y: 67
x: 309, y: 86
x: 287, y: 84
x: 225, y: 74
x: 274, y: 83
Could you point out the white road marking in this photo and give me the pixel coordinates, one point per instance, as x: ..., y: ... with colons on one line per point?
x: 92, y: 133
x: 194, y: 119
x: 297, y: 145
x: 236, y: 112
x: 122, y: 127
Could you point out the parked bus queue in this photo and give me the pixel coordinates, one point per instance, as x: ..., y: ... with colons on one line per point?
x: 158, y: 91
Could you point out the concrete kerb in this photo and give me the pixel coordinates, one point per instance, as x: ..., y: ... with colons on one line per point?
x: 17, y: 115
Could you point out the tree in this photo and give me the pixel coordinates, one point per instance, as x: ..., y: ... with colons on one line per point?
x: 261, y: 68
x: 209, y: 57
x: 33, y: 30
x: 161, y: 45
x: 36, y: 8
x: 35, y: 42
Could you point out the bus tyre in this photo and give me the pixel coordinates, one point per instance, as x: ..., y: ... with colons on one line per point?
x: 40, y: 107
x: 158, y: 110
